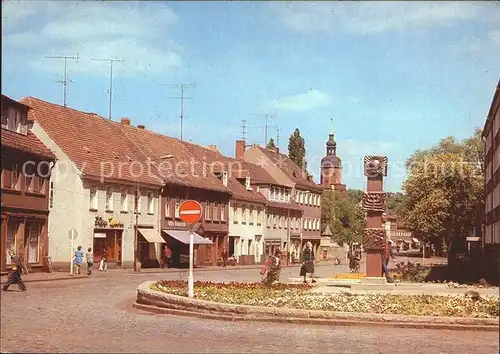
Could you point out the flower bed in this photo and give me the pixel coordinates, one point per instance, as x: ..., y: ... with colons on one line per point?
x: 350, y: 276
x: 299, y: 296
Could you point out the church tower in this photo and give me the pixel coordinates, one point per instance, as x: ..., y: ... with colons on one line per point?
x: 331, y: 165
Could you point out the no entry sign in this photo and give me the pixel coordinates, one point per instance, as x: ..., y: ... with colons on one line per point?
x: 190, y: 211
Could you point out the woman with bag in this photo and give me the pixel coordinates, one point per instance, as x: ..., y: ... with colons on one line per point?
x: 308, y: 263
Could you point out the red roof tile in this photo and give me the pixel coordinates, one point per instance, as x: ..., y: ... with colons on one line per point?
x: 92, y: 142
x: 235, y: 168
x: 182, y: 167
x: 26, y: 143
x: 294, y: 172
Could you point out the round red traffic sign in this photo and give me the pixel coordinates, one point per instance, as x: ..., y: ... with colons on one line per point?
x: 190, y: 211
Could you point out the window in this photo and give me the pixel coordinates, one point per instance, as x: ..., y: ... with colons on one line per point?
x: 245, y: 215
x: 176, y: 208
x: 51, y: 201
x: 269, y: 221
x: 260, y: 214
x: 252, y: 216
x: 124, y: 199
x: 305, y: 224
x: 222, y: 213
x: 34, y: 232
x: 151, y: 202
x: 93, y: 197
x: 168, y: 211
x: 10, y: 241
x: 301, y: 198
x: 273, y: 193
x: 208, y: 216
x: 138, y: 202
x: 109, y: 198
x: 15, y: 180
x: 216, y: 212
x: 13, y: 119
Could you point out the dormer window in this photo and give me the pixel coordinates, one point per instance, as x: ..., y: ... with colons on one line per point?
x: 224, y: 178
x: 12, y: 120
x: 248, y: 187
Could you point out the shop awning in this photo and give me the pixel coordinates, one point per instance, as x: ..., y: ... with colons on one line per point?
x: 151, y: 236
x: 99, y: 235
x: 183, y: 236
x: 415, y: 240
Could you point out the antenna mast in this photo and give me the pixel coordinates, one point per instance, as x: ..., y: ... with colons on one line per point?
x: 183, y: 87
x: 65, y: 80
x: 266, y: 116
x: 243, y: 129
x: 277, y: 136
x: 110, y: 90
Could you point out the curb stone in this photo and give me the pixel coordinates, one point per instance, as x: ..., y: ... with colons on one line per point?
x: 164, y: 303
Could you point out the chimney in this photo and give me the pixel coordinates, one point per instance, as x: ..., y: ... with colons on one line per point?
x: 125, y: 120
x: 140, y: 126
x: 240, y: 149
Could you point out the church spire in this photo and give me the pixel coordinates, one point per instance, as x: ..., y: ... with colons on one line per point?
x: 331, y: 145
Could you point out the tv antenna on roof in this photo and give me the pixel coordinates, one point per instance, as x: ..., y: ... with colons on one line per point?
x: 65, y: 80
x: 110, y: 90
x: 182, y: 98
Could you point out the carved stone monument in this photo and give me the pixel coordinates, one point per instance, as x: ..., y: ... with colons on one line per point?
x: 374, y: 204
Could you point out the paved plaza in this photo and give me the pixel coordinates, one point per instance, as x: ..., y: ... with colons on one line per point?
x: 95, y: 315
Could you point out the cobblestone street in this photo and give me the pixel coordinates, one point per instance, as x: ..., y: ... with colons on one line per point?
x: 95, y: 315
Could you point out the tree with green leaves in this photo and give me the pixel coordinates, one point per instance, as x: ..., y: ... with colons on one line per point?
x: 344, y: 216
x: 270, y: 144
x: 395, y: 202
x: 297, y: 149
x: 444, y: 192
x: 356, y: 195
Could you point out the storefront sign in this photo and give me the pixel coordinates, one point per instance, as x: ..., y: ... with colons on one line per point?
x: 176, y: 223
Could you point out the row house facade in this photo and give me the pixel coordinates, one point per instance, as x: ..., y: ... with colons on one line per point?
x: 304, y: 193
x: 25, y: 177
x: 491, y: 234
x: 247, y: 206
x: 186, y: 176
x: 101, y: 188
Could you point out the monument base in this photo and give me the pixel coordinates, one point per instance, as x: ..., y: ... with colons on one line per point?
x: 373, y: 263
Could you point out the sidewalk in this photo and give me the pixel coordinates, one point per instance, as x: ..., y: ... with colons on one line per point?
x: 61, y: 276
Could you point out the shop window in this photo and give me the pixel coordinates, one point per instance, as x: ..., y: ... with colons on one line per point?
x: 10, y: 243
x: 34, y: 231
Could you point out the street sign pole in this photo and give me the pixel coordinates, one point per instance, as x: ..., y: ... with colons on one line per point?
x: 190, y: 213
x: 191, y: 261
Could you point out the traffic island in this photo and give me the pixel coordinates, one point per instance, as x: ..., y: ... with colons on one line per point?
x: 296, y: 303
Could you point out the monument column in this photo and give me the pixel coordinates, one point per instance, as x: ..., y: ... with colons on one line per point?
x: 374, y: 204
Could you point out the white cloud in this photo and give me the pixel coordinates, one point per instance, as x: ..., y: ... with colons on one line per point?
x: 488, y: 46
x: 137, y: 33
x: 366, y: 18
x: 301, y: 102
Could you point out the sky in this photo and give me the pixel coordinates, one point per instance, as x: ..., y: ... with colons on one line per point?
x: 393, y: 76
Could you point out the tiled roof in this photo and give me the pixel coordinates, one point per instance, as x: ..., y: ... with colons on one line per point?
x: 92, y: 142
x: 214, y: 159
x: 27, y: 143
x: 183, y: 167
x: 260, y: 175
x: 285, y: 164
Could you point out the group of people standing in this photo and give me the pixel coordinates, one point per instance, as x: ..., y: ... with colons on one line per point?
x: 78, y: 257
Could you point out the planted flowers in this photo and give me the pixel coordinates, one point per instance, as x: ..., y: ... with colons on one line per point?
x: 299, y: 296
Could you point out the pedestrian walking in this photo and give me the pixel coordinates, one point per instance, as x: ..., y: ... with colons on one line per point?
x: 167, y: 257
x: 308, y: 263
x: 78, y: 259
x: 89, y: 256
x: 386, y: 255
x: 272, y: 268
x: 14, y: 276
x: 103, y: 264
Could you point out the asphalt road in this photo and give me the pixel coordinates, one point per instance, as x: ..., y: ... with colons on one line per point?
x: 95, y: 315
